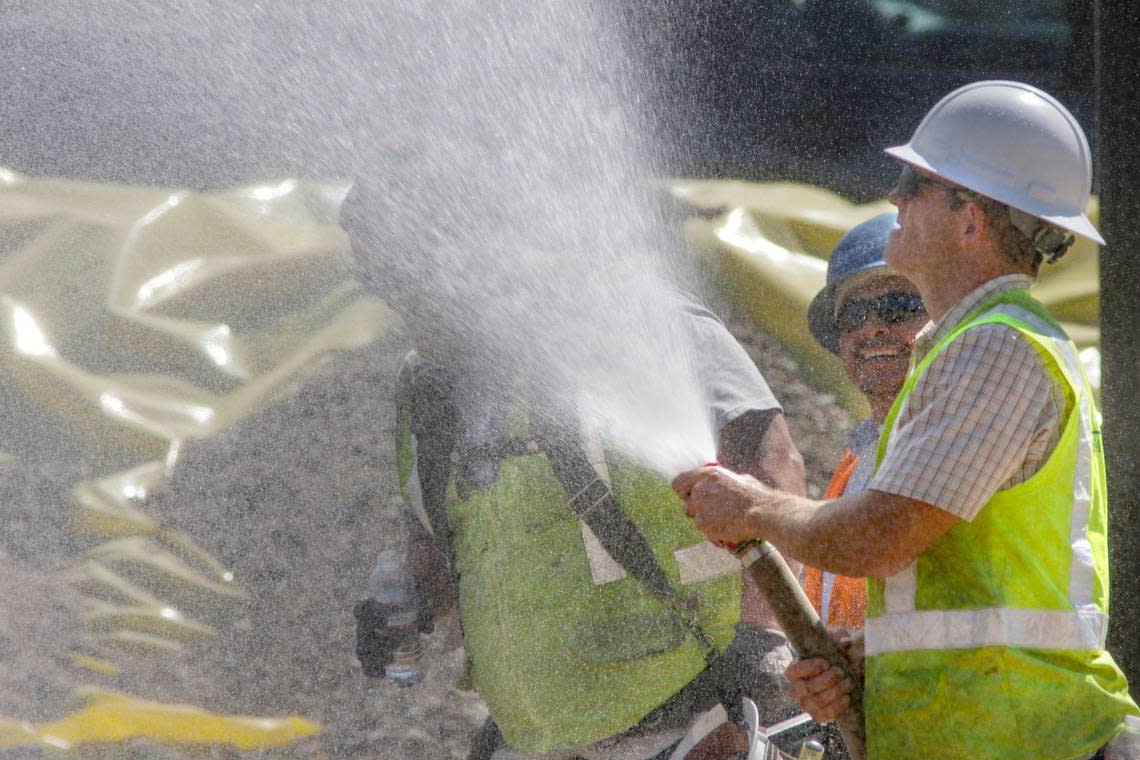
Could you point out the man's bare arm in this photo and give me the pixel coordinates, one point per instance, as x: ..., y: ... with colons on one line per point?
x: 871, y: 533
x: 759, y: 444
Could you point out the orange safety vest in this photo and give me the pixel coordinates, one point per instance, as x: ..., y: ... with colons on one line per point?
x: 848, y: 603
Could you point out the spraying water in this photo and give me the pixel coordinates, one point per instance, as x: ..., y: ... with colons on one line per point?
x: 511, y: 136
x: 521, y: 221
x: 506, y: 141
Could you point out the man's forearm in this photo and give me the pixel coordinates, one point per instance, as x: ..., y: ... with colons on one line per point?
x: 817, y: 533
x: 870, y: 533
x: 867, y: 534
x: 430, y: 575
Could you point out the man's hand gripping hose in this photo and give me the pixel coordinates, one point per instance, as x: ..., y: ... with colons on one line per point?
x: 805, y: 631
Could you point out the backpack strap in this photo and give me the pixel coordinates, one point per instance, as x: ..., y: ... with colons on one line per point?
x: 592, y: 501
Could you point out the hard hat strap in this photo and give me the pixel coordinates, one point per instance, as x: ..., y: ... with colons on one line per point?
x: 1051, y: 242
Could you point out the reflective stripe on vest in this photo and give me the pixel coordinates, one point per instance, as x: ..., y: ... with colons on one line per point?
x: 903, y: 628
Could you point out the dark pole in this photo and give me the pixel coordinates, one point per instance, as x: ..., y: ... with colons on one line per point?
x: 1117, y: 24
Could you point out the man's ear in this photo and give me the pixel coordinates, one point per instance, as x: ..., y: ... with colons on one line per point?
x: 972, y: 222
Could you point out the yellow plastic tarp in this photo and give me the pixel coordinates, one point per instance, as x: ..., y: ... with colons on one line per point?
x: 770, y: 243
x: 108, y: 718
x: 135, y: 318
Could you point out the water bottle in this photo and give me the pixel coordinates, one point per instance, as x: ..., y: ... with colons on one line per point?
x: 391, y: 587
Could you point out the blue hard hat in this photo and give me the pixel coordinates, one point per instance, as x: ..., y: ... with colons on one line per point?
x: 859, y: 252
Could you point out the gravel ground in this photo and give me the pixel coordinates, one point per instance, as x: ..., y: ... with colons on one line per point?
x: 296, y: 500
x: 39, y: 624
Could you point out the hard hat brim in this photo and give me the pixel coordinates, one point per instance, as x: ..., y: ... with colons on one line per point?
x: 1079, y: 224
x: 821, y: 310
x: 821, y: 319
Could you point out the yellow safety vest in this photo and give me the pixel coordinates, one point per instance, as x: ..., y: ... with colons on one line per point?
x: 991, y: 644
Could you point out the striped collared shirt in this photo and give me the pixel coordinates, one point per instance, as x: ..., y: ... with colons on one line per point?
x: 984, y: 416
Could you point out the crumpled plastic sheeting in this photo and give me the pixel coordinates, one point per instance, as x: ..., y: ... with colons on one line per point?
x: 136, y: 318
x: 121, y: 615
x: 769, y: 243
x: 109, y: 718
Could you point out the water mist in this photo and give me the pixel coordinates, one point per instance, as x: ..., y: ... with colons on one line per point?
x: 522, y: 218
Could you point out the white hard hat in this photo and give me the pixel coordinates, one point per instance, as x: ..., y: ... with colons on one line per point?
x: 1013, y: 143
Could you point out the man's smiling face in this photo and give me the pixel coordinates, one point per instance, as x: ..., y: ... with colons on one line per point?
x: 876, y: 349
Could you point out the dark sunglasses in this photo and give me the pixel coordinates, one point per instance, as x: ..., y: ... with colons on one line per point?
x: 910, y: 184
x: 891, y: 308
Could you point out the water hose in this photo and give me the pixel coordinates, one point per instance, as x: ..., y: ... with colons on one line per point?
x: 805, y: 631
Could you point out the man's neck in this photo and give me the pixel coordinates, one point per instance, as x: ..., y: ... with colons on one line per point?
x: 941, y: 290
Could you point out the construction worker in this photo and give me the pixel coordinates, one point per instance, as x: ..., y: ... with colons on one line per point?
x: 868, y: 317
x: 983, y: 530
x: 584, y: 640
